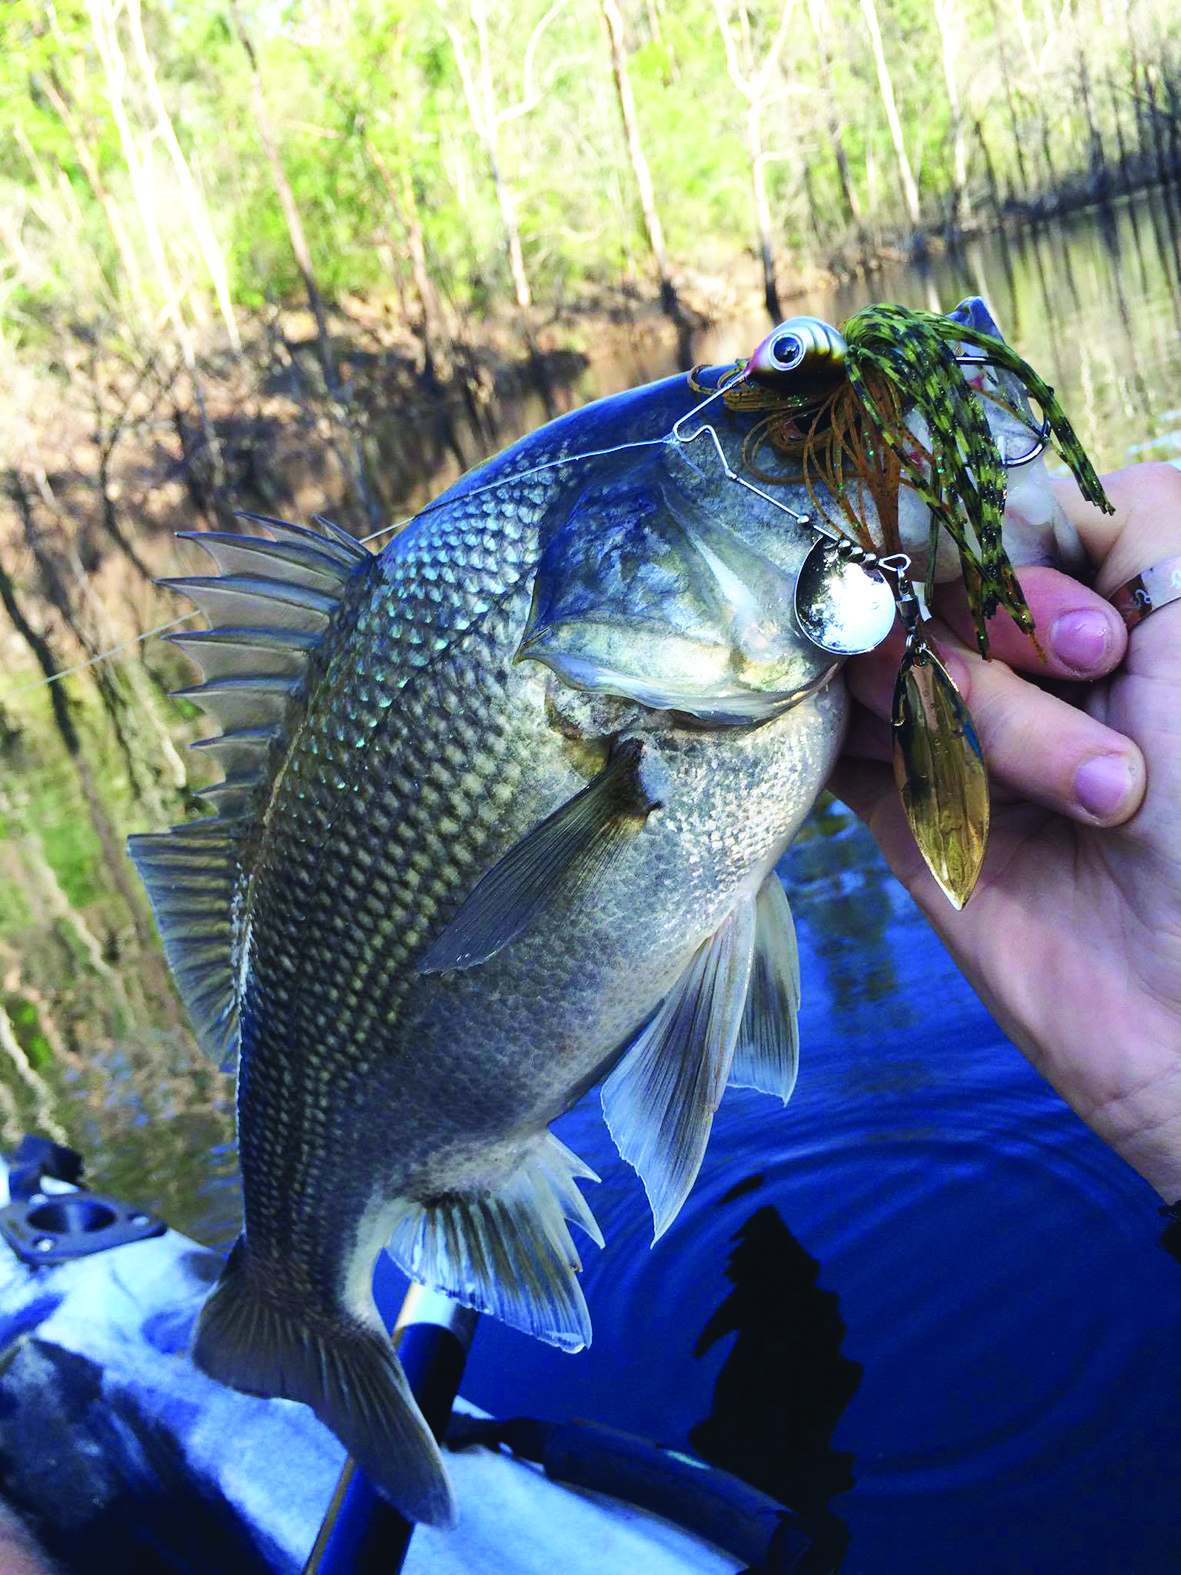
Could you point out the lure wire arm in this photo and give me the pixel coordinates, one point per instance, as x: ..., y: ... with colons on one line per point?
x: 679, y: 439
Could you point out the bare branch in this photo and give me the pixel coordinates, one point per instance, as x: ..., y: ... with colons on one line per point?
x: 533, y: 94
x: 465, y: 76
x: 763, y: 73
x: 736, y: 76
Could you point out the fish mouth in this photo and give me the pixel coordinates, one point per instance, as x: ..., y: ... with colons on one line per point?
x: 776, y: 705
x: 721, y: 705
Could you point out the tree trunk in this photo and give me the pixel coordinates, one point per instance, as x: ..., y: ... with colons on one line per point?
x: 824, y: 65
x: 303, y: 261
x: 1006, y: 78
x: 945, y: 18
x: 194, y: 203
x: 505, y: 199
x: 1098, y: 168
x: 1121, y: 144
x: 758, y: 178
x: 752, y: 84
x: 85, y: 155
x: 405, y: 205
x: 635, y: 148
x: 910, y: 191
x: 115, y: 70
x: 480, y: 97
x: 990, y: 174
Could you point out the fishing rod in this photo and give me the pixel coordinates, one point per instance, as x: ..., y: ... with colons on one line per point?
x: 362, y: 1533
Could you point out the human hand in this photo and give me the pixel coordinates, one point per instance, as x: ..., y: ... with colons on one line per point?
x: 1072, y: 937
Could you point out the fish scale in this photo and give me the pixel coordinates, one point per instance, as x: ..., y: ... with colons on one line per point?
x: 355, y: 704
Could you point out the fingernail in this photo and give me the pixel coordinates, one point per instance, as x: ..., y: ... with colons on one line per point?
x: 1103, y: 785
x: 1081, y: 639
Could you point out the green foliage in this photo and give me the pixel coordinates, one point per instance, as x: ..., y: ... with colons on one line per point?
x: 26, y: 1025
x: 349, y: 88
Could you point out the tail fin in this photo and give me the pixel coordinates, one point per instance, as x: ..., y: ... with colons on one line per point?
x: 344, y: 1368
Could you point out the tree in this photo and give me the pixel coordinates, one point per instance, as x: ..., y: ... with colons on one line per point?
x: 303, y: 259
x: 753, y: 83
x: 635, y: 149
x: 194, y: 203
x: 488, y: 117
x: 910, y: 190
x: 946, y: 21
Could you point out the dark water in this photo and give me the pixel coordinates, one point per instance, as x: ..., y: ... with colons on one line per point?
x: 922, y: 1304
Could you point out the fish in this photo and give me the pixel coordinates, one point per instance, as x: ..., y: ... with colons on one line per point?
x: 499, y: 822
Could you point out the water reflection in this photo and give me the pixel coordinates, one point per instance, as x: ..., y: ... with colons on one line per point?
x: 785, y: 1384
x: 842, y: 891
x: 98, y: 1051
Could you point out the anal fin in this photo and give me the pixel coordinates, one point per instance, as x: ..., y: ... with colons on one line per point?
x: 767, y: 1056
x: 508, y: 1252
x: 659, y: 1102
x: 566, y: 855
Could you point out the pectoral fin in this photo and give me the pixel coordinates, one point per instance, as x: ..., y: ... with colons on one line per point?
x: 767, y: 1056
x: 567, y: 855
x: 660, y: 1100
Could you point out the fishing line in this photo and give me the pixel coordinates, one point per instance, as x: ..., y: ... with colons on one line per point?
x: 103, y: 656
x: 508, y: 481
x: 674, y: 438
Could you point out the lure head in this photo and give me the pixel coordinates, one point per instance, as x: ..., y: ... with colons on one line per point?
x: 802, y: 355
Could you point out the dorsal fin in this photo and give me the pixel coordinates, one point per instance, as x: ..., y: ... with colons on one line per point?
x: 268, y: 610
x: 295, y: 560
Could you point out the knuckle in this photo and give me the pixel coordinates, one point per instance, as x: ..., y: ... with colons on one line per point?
x: 1156, y: 482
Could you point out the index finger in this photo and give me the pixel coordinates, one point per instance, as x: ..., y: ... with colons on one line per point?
x: 1145, y: 527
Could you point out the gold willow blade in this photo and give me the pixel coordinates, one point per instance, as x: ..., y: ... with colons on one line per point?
x: 938, y: 764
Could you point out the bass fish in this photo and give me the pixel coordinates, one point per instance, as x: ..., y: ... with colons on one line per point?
x: 500, y: 818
